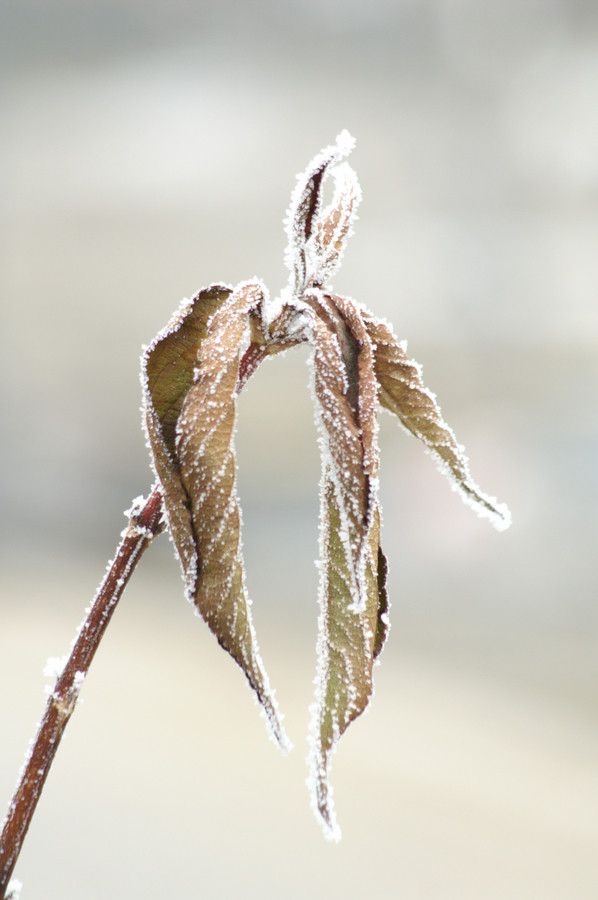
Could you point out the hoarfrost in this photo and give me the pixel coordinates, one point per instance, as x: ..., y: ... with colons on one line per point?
x: 191, y: 375
x: 13, y: 891
x: 191, y: 418
x: 54, y: 666
x: 304, y: 213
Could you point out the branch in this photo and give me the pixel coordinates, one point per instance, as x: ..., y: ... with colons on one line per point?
x: 145, y: 522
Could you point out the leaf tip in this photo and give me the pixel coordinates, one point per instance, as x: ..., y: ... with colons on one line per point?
x: 485, y: 506
x: 321, y: 800
x: 502, y: 516
x: 332, y: 831
x: 345, y: 142
x: 273, y: 718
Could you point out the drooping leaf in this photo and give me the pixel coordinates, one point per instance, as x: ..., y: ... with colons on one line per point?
x: 402, y: 392
x: 193, y: 372
x: 353, y: 600
x: 170, y: 360
x: 349, y: 640
x: 365, y: 398
x: 167, y: 368
x: 336, y: 386
x: 199, y: 478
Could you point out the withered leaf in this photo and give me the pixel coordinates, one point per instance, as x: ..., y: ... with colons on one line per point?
x: 199, y: 476
x: 336, y: 394
x: 193, y: 373
x: 304, y: 212
x: 402, y: 392
x: 170, y: 360
x: 326, y: 246
x: 167, y: 368
x: 353, y: 569
x: 350, y: 639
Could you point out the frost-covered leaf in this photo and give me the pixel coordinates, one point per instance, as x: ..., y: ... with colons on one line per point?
x: 353, y: 570
x: 336, y: 390
x: 364, y: 394
x: 325, y: 248
x: 198, y: 476
x: 193, y: 373
x: 172, y: 357
x: 350, y: 638
x: 304, y: 211
x: 167, y: 368
x: 403, y: 393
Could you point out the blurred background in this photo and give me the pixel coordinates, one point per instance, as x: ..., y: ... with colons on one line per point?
x: 148, y: 150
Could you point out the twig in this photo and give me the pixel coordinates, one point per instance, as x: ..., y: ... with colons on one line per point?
x: 145, y: 522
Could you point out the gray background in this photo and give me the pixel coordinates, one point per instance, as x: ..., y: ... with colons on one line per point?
x: 150, y: 149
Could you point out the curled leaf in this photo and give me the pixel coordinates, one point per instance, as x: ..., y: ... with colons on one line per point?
x: 170, y: 360
x: 167, y: 368
x: 349, y: 640
x: 192, y: 374
x: 198, y: 475
x: 326, y: 246
x: 336, y: 390
x: 304, y: 210
x: 353, y: 602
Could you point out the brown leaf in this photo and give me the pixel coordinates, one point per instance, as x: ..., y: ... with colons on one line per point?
x: 353, y: 598
x: 193, y: 373
x: 199, y: 479
x: 336, y: 389
x: 403, y: 393
x: 167, y: 373
x: 325, y: 249
x: 365, y: 401
x: 349, y: 641
x: 171, y: 358
x: 305, y: 207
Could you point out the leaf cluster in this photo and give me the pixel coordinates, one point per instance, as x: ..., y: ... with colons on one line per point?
x: 192, y: 375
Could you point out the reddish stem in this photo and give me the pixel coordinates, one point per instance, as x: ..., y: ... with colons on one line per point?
x: 145, y: 522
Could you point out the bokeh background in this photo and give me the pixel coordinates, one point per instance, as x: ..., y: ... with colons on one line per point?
x: 149, y: 149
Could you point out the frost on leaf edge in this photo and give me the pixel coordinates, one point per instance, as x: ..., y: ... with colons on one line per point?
x: 294, y: 220
x: 171, y: 485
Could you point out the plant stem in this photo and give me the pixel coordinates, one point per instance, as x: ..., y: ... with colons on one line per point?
x: 145, y: 522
